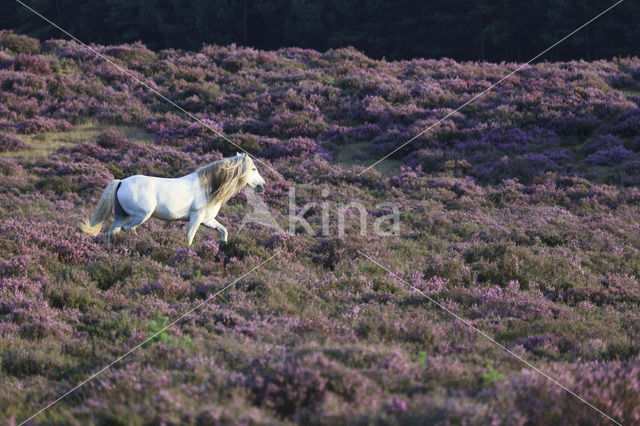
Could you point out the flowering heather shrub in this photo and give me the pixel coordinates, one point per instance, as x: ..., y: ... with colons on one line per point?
x: 525, y: 167
x: 519, y: 212
x: 18, y: 43
x: 609, y: 157
x: 134, y: 55
x: 112, y: 139
x: 285, y: 242
x: 6, y: 60
x: 635, y: 144
x: 602, y: 142
x: 628, y: 124
x: 308, y: 122
x: 303, y: 381
x: 40, y: 124
x: 9, y: 168
x: 31, y: 63
x: 208, y: 250
x: 61, y: 242
x: 157, y: 123
x: 296, y: 147
x: 9, y: 142
x: 387, y: 141
x: 365, y: 132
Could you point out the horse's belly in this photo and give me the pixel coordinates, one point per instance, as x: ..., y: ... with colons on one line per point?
x: 171, y: 213
x: 173, y: 204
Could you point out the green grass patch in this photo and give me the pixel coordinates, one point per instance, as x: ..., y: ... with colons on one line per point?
x: 45, y: 144
x: 349, y: 155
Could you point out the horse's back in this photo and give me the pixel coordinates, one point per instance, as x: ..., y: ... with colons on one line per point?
x: 137, y: 195
x: 164, y: 198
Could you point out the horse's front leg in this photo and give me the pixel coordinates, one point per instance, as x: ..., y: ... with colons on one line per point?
x: 214, y: 224
x: 195, y: 219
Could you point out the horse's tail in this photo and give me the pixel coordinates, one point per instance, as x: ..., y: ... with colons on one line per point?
x: 103, y: 211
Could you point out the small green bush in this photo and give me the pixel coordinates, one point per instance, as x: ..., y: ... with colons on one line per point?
x: 18, y: 43
x: 106, y: 275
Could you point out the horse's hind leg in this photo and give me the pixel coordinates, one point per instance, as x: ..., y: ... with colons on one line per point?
x: 135, y: 221
x: 120, y: 217
x: 118, y: 222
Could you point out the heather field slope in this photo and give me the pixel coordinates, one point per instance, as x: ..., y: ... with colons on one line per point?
x: 519, y: 213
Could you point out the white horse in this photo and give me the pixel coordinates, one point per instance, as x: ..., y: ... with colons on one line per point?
x: 196, y: 197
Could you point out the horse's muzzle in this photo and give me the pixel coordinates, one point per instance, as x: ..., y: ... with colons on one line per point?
x: 260, y: 188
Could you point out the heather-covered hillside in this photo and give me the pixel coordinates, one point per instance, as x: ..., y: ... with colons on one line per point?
x: 519, y: 213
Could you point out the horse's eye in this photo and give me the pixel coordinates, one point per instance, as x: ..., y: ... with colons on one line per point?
x: 254, y: 169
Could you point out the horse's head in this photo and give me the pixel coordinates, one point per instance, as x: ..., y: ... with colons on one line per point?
x: 254, y: 180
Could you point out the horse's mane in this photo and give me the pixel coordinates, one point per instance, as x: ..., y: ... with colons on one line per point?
x: 222, y: 179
